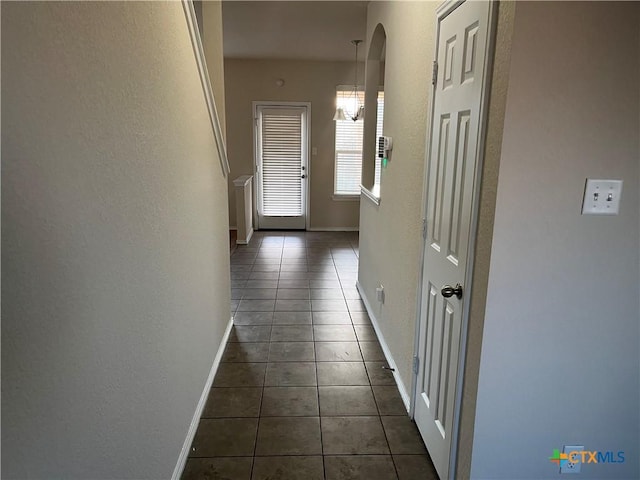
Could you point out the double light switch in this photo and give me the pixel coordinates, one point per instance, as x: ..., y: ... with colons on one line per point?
x: 602, y: 197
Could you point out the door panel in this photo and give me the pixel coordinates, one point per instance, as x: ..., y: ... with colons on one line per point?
x: 281, y: 166
x: 451, y: 179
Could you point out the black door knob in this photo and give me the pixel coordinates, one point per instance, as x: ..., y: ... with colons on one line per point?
x: 449, y: 291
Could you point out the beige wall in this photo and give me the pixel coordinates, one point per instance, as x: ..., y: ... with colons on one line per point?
x: 305, y: 81
x: 559, y: 363
x: 114, y: 239
x: 391, y: 234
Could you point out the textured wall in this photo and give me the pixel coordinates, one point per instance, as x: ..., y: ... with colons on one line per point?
x: 391, y: 234
x: 560, y: 357
x: 114, y: 239
x: 255, y: 80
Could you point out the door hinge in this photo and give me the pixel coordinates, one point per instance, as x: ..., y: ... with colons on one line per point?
x: 424, y: 228
x: 416, y: 364
x: 434, y: 77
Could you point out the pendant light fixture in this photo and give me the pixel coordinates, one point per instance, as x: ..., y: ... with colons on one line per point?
x: 357, y: 110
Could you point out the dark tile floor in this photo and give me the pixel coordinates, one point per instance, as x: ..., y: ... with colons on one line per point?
x: 301, y: 392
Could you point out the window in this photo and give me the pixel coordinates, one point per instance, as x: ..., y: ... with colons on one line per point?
x: 379, y: 123
x: 348, y: 173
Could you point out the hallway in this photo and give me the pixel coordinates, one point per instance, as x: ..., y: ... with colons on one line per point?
x: 301, y: 391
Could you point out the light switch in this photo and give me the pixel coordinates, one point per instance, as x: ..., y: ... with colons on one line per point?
x: 314, y: 150
x: 602, y: 197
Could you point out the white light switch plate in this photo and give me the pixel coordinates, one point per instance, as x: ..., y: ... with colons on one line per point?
x: 602, y: 197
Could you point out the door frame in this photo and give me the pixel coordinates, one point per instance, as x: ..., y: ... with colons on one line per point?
x: 268, y: 103
x: 446, y: 8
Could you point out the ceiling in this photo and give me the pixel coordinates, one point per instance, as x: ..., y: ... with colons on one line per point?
x: 293, y: 30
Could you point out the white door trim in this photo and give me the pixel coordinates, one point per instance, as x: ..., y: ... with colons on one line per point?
x: 443, y: 11
x: 264, y: 103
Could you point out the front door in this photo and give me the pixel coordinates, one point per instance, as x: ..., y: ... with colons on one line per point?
x: 463, y: 31
x: 281, y: 133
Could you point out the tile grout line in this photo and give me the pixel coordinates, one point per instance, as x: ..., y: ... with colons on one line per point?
x: 315, y: 357
x: 255, y: 443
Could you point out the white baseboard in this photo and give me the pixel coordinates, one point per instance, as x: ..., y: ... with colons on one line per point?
x: 334, y: 229
x: 404, y: 393
x: 246, y: 242
x: 184, y: 453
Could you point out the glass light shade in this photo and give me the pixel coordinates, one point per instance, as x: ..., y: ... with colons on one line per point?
x: 339, y: 115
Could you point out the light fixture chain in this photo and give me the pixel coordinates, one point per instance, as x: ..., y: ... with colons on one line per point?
x: 358, y: 112
x: 357, y: 109
x: 356, y: 65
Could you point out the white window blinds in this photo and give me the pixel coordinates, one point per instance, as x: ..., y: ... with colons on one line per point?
x: 379, y: 124
x: 348, y: 146
x: 281, y: 148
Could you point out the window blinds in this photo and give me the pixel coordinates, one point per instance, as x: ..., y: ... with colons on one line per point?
x: 348, y: 172
x: 379, y: 124
x: 281, y: 144
x: 348, y: 146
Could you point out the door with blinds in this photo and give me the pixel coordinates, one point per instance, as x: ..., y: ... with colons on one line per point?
x: 282, y: 139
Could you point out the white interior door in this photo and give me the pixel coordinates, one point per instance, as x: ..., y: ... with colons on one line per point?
x: 281, y: 134
x: 452, y: 168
